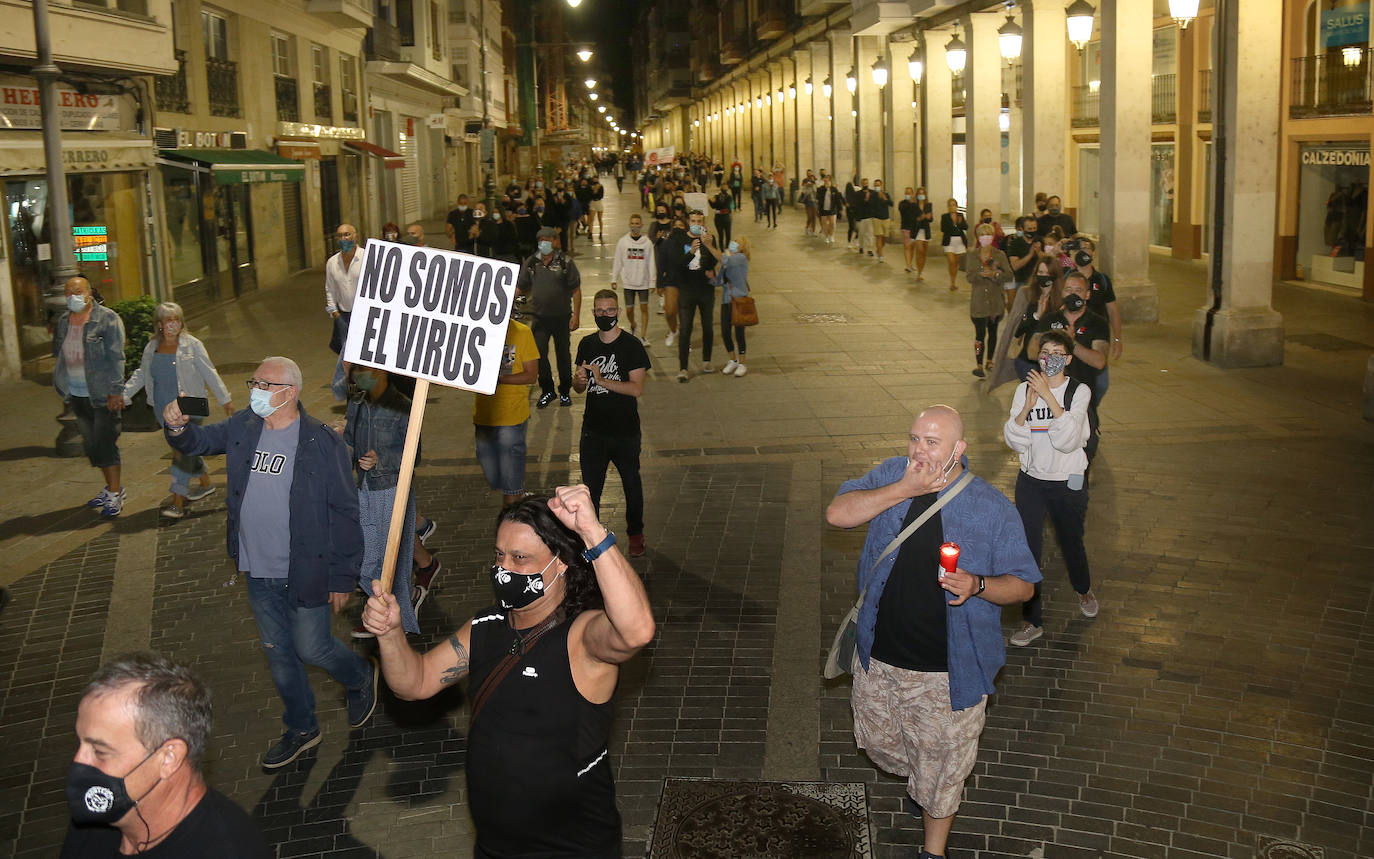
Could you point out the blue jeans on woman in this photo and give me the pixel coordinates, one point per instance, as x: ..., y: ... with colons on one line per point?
x: 294, y: 636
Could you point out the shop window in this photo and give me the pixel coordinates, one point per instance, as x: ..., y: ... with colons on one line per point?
x: 180, y: 202
x: 1333, y: 199
x: 1162, y: 194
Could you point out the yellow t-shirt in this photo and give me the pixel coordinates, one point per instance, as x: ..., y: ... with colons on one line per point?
x: 510, y: 405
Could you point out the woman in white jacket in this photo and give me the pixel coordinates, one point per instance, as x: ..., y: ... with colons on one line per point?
x: 176, y: 364
x: 1048, y: 427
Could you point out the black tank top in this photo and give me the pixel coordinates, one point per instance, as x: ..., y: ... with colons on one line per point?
x: 538, y: 768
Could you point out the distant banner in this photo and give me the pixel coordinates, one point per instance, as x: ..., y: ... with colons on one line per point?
x: 432, y: 314
x: 662, y: 155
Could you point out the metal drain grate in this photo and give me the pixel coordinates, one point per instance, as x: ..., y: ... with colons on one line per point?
x: 1282, y: 848
x: 821, y: 318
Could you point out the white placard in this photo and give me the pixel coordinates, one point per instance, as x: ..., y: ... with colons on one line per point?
x: 697, y: 200
x: 431, y: 314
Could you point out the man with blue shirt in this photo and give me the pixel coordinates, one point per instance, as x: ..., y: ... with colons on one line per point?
x: 292, y: 529
x: 929, y: 647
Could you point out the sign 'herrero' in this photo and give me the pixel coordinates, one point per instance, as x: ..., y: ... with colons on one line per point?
x: 431, y: 314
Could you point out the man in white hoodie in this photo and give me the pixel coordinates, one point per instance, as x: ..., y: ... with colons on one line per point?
x: 634, y: 267
x: 1049, y: 428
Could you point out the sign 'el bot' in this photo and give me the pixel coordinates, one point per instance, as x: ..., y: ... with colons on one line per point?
x: 436, y: 315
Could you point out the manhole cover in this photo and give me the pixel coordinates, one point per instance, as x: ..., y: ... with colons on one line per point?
x: 821, y: 318
x: 1282, y: 848
x: 715, y: 819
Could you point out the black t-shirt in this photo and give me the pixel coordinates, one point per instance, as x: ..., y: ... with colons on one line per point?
x: 1100, y: 293
x: 1089, y: 327
x: 609, y: 413
x: 461, y: 223
x: 879, y: 206
x: 1047, y: 222
x: 911, y: 630
x: 215, y: 829
x: 1019, y: 246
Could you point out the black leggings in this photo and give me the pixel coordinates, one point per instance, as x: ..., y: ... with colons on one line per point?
x: 723, y: 229
x: 774, y: 207
x: 984, y: 331
x: 726, y: 312
x: 1067, y: 509
x: 692, y: 300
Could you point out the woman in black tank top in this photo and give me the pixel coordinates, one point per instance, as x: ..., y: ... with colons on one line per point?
x: 543, y: 663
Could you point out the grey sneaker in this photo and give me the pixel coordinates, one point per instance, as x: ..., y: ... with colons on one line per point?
x: 1087, y: 603
x: 707, y: 368
x: 289, y: 747
x: 1026, y: 634
x: 200, y: 492
x: 171, y: 511
x: 114, y: 505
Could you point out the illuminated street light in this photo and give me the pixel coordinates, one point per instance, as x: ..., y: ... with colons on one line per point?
x: 826, y: 88
x: 1079, y: 19
x: 956, y: 54
x: 590, y: 82
x: 584, y: 54
x: 1004, y: 120
x: 880, y: 72
x: 593, y: 96
x: 810, y: 88
x: 850, y: 81
x: 1351, y: 55
x: 791, y: 91
x: 1009, y: 40
x: 915, y: 65
x: 601, y: 108
x: 1183, y: 12
x: 574, y: 3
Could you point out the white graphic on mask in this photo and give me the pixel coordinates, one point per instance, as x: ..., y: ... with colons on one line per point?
x: 530, y: 672
x: 534, y: 586
x: 99, y: 799
x: 502, y: 576
x: 608, y: 368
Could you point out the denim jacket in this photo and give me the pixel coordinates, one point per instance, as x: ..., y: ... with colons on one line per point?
x: 992, y: 542
x: 104, y: 337
x: 378, y: 426
x: 326, y: 539
x: 195, y: 372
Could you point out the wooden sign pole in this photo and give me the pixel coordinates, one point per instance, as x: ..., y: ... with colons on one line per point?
x: 398, y: 507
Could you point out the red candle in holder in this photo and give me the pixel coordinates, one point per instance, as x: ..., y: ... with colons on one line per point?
x: 949, y: 558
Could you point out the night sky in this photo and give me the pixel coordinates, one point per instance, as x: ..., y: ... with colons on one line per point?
x: 607, y: 24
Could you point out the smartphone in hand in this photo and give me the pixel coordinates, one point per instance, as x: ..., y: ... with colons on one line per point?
x: 194, y: 407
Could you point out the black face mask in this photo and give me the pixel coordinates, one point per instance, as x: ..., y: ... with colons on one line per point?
x: 96, y: 797
x: 1073, y: 303
x: 1083, y: 259
x: 1045, y: 281
x: 606, y: 323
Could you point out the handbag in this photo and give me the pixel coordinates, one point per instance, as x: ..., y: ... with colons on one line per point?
x: 742, y: 311
x: 840, y: 660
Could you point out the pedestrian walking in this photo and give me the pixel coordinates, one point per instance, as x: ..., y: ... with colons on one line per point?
x: 987, y: 269
x: 667, y: 249
x: 954, y: 239
x: 544, y: 661
x: 734, y: 280
x: 176, y: 364
x: 635, y: 269
x: 611, y: 368
x: 853, y: 209
x: 293, y: 530
x: 880, y: 210
x: 807, y: 198
x: 736, y: 182
x: 620, y: 175
x: 772, y: 201
x: 500, y: 420
x: 1048, y: 428
x: 88, y: 373
x: 1033, y: 301
x: 1091, y: 334
x: 829, y: 202
x: 595, y: 209
x: 554, y: 285
x: 341, y: 272
x: 694, y: 261
x: 722, y: 205
x: 1022, y: 251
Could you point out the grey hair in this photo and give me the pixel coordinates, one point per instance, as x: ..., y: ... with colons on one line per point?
x: 170, y: 701
x: 293, y: 370
x: 169, y: 310
x: 1078, y: 276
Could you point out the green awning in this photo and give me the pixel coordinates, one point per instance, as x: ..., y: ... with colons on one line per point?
x: 240, y: 166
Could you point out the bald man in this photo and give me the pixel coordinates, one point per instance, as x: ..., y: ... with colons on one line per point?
x: 88, y: 345
x: 341, y: 272
x: 929, y: 646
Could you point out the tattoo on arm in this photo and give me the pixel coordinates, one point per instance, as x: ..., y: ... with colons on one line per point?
x: 459, y: 669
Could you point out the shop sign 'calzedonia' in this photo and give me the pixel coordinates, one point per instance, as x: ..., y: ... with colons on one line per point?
x: 432, y: 314
x: 1336, y: 157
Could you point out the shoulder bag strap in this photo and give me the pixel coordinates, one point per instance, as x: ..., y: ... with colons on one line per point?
x: 915, y: 526
x: 507, y: 664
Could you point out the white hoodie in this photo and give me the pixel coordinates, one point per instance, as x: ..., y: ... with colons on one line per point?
x: 633, y: 266
x: 1051, y: 448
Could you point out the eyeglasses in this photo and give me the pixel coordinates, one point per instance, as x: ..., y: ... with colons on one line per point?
x: 262, y: 385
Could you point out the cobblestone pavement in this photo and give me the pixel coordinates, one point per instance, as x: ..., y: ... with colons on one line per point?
x: 1220, y: 703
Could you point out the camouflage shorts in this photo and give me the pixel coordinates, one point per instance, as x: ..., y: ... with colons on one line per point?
x: 903, y: 720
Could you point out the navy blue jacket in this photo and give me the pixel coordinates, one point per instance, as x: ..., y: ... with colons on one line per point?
x: 326, y: 539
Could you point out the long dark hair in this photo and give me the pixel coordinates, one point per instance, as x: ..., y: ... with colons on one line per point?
x: 583, y: 592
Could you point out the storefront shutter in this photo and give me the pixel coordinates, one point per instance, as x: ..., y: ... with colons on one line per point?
x: 291, y: 221
x: 410, y: 179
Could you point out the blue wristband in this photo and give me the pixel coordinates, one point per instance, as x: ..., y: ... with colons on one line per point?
x: 600, y: 548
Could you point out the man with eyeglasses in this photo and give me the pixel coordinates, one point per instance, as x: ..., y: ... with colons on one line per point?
x: 292, y: 528
x: 341, y: 273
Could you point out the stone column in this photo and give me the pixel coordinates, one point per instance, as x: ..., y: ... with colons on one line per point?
x: 939, y: 142
x: 842, y: 134
x: 802, y: 108
x: 1045, y: 96
x: 1127, y: 60
x: 1243, y: 329
x: 982, y: 137
x: 781, y: 150
x: 901, y: 124
x: 1189, y: 173
x: 869, y: 101
x: 821, y: 122
x: 1014, y: 203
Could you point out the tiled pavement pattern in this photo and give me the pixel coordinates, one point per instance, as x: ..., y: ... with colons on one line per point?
x: 1222, y: 697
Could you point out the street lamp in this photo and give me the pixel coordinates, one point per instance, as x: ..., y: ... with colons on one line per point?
x: 1009, y: 40
x: 601, y: 108
x: 956, y: 54
x: 791, y: 91
x: 880, y: 72
x: 810, y: 88
x: 915, y: 65
x: 584, y: 54
x: 1183, y: 12
x: 850, y: 81
x: 1004, y: 120
x: 590, y: 82
x: 826, y: 88
x: 593, y: 96
x: 574, y: 3
x: 1079, y: 18
x: 1351, y: 55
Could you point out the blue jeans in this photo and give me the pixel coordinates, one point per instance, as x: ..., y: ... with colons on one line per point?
x: 294, y: 636
x: 1104, y: 380
x: 501, y: 450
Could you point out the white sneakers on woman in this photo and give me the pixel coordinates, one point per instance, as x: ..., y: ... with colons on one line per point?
x: 733, y: 368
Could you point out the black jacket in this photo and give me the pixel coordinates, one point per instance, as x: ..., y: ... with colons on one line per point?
x: 950, y: 228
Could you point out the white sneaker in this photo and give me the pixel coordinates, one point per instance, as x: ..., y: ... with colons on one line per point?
x: 707, y: 368
x: 729, y: 367
x: 741, y: 370
x: 644, y: 340
x: 1026, y: 634
x: 670, y: 339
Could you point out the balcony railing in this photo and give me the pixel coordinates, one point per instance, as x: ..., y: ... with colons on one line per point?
x: 171, y: 90
x: 383, y: 41
x: 288, y: 99
x: 1163, y: 98
x: 222, y: 80
x: 1086, y: 101
x: 324, y: 104
x: 1332, y: 84
x: 1204, y: 96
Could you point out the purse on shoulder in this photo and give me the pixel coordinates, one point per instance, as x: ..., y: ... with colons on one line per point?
x: 743, y: 312
x: 840, y: 660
